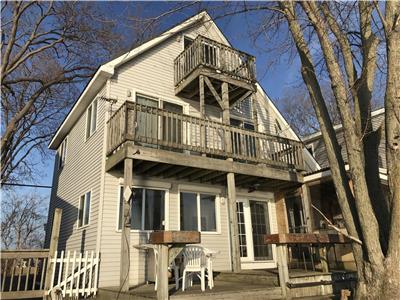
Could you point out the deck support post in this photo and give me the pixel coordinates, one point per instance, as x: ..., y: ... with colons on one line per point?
x: 162, y: 288
x: 126, y: 225
x: 202, y: 112
x: 281, y: 253
x: 233, y: 222
x: 231, y: 186
x: 306, y: 201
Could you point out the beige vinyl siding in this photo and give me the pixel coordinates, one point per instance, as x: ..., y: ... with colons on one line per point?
x: 111, y: 237
x: 81, y: 173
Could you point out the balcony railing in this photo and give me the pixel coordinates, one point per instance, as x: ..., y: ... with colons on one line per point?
x: 155, y: 127
x: 216, y: 56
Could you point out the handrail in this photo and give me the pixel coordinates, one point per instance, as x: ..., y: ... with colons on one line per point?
x: 212, y: 54
x: 173, y: 131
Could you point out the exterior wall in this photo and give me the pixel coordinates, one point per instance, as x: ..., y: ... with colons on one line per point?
x: 151, y: 74
x: 81, y: 173
x: 111, y: 237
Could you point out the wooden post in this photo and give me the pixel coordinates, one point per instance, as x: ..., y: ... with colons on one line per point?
x: 226, y: 115
x: 230, y: 180
x: 324, y: 259
x: 202, y: 112
x: 126, y: 226
x: 306, y: 200
x: 162, y: 288
x: 255, y: 120
x: 281, y: 252
x: 233, y: 222
x: 55, y: 234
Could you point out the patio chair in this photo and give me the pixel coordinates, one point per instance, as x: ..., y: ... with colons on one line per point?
x: 197, y: 261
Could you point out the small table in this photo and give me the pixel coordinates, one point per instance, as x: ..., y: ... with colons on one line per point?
x: 170, y: 244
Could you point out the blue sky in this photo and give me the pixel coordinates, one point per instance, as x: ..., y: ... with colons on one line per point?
x: 275, y: 77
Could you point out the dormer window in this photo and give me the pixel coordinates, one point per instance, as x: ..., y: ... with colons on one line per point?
x: 91, y: 119
x: 62, y: 153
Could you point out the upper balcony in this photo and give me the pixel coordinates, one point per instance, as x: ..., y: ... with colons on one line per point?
x: 177, y: 135
x: 219, y: 63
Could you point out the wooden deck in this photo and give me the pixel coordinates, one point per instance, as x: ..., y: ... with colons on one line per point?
x: 250, y: 284
x: 164, y: 137
x: 218, y: 62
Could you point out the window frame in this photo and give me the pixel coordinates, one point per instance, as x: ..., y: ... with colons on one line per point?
x: 186, y: 36
x: 62, y: 153
x: 89, y: 132
x: 166, y: 208
x: 198, y: 204
x: 84, y: 210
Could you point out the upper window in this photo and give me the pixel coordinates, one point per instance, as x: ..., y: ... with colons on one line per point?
x: 62, y: 153
x: 187, y: 41
x: 84, y: 209
x: 147, y: 209
x: 278, y: 127
x: 198, y: 212
x: 91, y: 119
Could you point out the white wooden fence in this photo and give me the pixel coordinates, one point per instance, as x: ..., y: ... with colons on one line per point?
x: 74, y: 274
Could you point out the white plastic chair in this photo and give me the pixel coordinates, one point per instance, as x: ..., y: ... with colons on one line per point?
x: 194, y: 262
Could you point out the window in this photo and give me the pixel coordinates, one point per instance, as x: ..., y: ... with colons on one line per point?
x: 91, y: 119
x: 277, y: 126
x: 84, y: 210
x: 147, y: 209
x: 62, y: 153
x: 197, y: 212
x: 310, y: 148
x: 187, y: 41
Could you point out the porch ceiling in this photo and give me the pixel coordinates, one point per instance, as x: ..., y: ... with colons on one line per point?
x: 150, y: 162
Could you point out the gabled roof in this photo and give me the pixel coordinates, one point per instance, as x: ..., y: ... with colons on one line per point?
x: 107, y: 70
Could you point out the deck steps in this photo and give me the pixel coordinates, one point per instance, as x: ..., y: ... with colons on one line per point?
x: 268, y: 279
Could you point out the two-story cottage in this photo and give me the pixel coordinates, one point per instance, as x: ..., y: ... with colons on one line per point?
x: 181, y: 128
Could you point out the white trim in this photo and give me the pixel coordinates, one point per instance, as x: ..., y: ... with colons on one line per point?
x: 84, y: 206
x: 249, y: 262
x: 107, y: 70
x: 91, y: 133
x: 103, y: 171
x: 159, y: 98
x: 327, y: 173
x: 94, y: 86
x: 166, y: 207
x: 198, y: 205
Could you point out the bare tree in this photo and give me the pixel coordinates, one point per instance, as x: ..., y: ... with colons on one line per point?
x: 48, y: 50
x: 22, y: 221
x: 298, y: 110
x: 345, y: 45
x: 351, y: 72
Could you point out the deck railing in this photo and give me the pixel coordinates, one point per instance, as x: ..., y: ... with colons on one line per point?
x: 223, y: 59
x: 155, y: 127
x: 23, y: 273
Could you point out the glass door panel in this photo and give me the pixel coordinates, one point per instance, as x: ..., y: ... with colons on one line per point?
x: 147, y: 123
x: 172, y: 127
x: 260, y: 227
x: 241, y: 229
